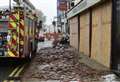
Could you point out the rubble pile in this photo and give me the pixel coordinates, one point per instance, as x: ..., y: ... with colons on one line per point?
x: 60, y: 64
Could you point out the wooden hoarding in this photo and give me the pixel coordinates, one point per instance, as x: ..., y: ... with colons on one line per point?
x: 74, y: 32
x: 84, y: 33
x: 101, y: 33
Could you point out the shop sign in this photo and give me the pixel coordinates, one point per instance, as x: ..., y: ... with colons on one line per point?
x: 62, y: 5
x: 85, y: 4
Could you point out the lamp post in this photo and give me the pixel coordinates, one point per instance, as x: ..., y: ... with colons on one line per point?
x: 54, y: 24
x: 10, y: 4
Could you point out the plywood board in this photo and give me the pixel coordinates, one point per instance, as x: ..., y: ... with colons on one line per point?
x: 74, y: 32
x: 101, y: 33
x: 84, y: 33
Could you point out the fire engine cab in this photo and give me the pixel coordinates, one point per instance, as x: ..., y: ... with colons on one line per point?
x: 17, y: 29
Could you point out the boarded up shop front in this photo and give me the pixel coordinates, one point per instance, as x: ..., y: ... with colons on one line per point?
x: 95, y: 29
x: 74, y: 32
x: 101, y: 33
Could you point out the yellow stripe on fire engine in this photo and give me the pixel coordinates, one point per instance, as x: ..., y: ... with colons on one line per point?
x: 11, y: 20
x: 14, y: 37
x: 14, y: 25
x: 17, y: 29
x: 17, y: 16
x: 11, y: 54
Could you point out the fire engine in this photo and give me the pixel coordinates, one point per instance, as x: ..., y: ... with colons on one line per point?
x: 17, y: 30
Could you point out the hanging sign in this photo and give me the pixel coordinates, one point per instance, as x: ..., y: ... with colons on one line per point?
x: 62, y: 5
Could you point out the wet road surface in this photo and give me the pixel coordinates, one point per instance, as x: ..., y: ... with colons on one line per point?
x: 10, y: 71
x: 5, y: 71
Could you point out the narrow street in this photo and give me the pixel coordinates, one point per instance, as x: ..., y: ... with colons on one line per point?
x: 59, y: 64
x: 60, y: 41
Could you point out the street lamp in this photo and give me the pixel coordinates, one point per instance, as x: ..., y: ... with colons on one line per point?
x: 54, y: 24
x: 10, y: 4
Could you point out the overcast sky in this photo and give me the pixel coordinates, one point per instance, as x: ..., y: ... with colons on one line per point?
x: 48, y: 7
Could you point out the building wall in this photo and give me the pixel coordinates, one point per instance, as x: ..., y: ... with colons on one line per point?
x: 100, y: 41
x: 101, y: 34
x: 77, y: 1
x: 84, y: 33
x: 74, y: 32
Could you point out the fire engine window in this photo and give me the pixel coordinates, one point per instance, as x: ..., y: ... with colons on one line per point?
x: 3, y: 26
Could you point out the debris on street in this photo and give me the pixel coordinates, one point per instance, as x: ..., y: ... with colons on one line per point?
x: 60, y: 63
